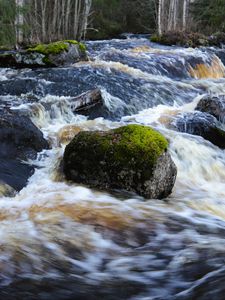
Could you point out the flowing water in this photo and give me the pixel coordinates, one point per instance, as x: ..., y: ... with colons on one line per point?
x: 60, y: 240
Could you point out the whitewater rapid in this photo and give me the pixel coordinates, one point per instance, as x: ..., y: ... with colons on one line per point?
x: 84, y: 243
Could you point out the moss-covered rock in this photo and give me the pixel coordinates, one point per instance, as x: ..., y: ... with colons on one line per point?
x: 61, y: 53
x: 181, y: 38
x: 132, y: 157
x: 189, y: 39
x: 52, y: 48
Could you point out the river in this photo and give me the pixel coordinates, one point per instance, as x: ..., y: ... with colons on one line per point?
x: 60, y: 240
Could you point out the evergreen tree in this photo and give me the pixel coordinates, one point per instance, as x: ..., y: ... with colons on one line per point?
x: 7, y: 22
x: 112, y: 17
x: 209, y: 15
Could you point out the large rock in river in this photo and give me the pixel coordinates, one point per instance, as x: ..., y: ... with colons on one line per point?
x: 133, y: 158
x: 20, y: 140
x: 61, y: 53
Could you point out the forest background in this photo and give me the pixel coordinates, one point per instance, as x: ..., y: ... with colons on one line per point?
x: 35, y: 21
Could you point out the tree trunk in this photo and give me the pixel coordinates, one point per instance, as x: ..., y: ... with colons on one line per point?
x: 43, y: 20
x: 19, y: 21
x: 171, y: 15
x: 51, y: 20
x: 68, y: 9
x: 160, y: 8
x: 85, y: 14
x: 185, y: 13
x: 175, y: 16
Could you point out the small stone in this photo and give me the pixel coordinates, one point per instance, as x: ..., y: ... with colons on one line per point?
x: 213, y: 105
x: 202, y: 124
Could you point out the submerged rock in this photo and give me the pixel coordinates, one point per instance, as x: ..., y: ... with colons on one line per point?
x: 201, y: 124
x: 20, y: 140
x: 67, y: 133
x: 6, y: 190
x: 133, y: 158
x: 214, y: 105
x: 56, y: 54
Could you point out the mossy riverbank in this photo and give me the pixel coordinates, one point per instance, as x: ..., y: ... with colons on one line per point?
x: 189, y: 39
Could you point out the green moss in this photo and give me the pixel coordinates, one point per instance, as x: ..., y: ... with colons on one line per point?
x: 56, y: 47
x: 53, y: 48
x: 46, y: 60
x: 155, y: 38
x: 82, y: 47
x: 133, y: 147
x: 74, y: 42
x: 141, y: 142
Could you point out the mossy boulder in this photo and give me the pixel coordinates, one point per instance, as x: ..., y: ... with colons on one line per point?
x: 180, y: 38
x: 189, y: 39
x: 62, y: 53
x: 132, y: 158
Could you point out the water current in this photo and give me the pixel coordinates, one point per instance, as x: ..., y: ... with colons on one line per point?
x: 60, y: 240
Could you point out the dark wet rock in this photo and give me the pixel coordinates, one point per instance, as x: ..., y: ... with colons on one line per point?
x: 21, y: 59
x: 217, y: 39
x: 71, y: 288
x: 133, y: 158
x: 214, y: 105
x: 54, y: 55
x: 20, y: 140
x: 201, y: 124
x: 20, y: 86
x: 88, y: 102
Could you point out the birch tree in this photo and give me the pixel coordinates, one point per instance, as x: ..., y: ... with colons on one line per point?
x: 84, y: 19
x: 185, y: 14
x: 160, y: 10
x: 19, y: 21
x: 172, y: 15
x: 51, y: 20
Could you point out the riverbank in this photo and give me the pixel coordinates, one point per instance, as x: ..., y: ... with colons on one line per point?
x: 189, y: 39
